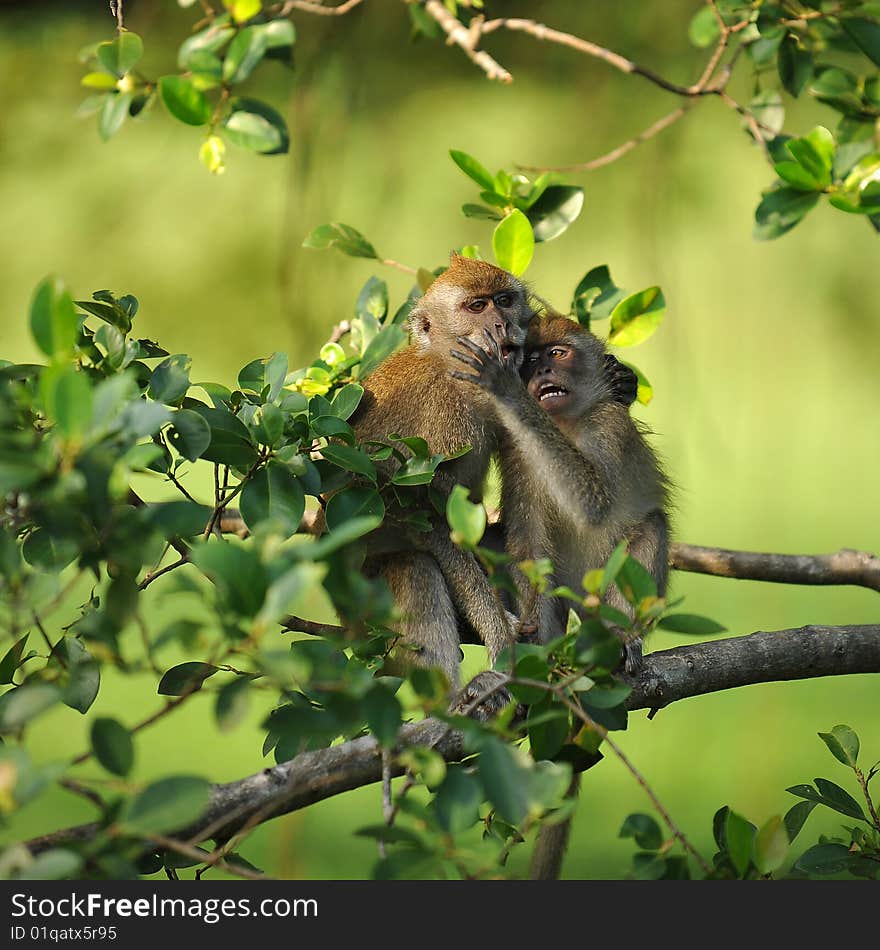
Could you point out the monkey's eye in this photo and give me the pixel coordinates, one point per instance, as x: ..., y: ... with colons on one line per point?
x: 503, y: 300
x: 531, y: 357
x: 477, y: 306
x: 558, y: 352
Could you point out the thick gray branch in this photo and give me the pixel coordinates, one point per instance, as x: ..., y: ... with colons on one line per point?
x: 667, y: 676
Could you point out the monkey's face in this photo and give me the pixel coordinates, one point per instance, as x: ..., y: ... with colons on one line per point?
x: 470, y: 299
x: 550, y: 375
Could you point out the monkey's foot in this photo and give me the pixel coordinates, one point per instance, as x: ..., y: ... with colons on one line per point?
x: 483, y: 697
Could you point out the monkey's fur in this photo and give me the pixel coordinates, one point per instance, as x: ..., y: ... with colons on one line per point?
x: 577, y: 477
x: 413, y: 393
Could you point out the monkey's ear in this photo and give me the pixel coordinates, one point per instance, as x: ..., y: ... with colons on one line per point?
x: 455, y: 257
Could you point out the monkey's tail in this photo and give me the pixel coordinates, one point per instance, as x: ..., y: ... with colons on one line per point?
x: 546, y: 863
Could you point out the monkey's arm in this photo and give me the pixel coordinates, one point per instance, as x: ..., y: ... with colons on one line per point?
x: 577, y: 478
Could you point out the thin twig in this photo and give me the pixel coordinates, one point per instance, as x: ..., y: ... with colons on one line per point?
x: 466, y: 39
x: 116, y: 11
x: 215, y: 859
x: 307, y: 6
x: 659, y: 126
x: 154, y: 575
x: 83, y: 791
x: 402, y: 267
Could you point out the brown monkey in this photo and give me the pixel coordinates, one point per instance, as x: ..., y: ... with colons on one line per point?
x: 577, y: 477
x: 413, y: 393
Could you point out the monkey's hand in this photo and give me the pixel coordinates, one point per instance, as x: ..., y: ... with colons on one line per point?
x: 622, y: 381
x: 493, y: 370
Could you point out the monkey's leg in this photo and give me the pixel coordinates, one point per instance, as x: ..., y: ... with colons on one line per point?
x: 649, y: 545
x: 429, y: 623
x: 478, y: 601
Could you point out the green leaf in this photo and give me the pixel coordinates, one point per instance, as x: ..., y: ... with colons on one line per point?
x: 703, y: 30
x: 839, y: 89
x: 466, y: 519
x: 244, y: 54
x: 372, y: 301
x: 865, y: 34
x: 190, y: 434
x: 232, y: 703
x: 184, y: 101
x: 795, y: 66
x: 344, y: 238
x: 166, y: 806
x: 346, y: 400
x: 237, y: 572
x: 691, y: 624
x: 119, y: 56
x: 595, y: 296
x: 114, y: 112
x: 351, y: 503
x: 52, y: 865
x: 351, y: 459
x: 740, y: 835
x: 231, y: 442
x: 209, y: 40
x: 843, y: 743
x: 48, y: 551
x: 67, y: 397
x: 636, y: 317
x: 780, y: 210
x: 839, y: 799
x: 382, y: 712
x: 771, y: 845
x: 273, y: 495
x: 170, y: 379
x: 473, y: 169
x: 383, y: 344
x: 185, y: 678
x: 513, y: 243
x: 54, y: 321
x: 508, y: 780
x: 824, y: 859
x: 101, y: 81
x: 265, y: 113
x: 557, y: 208
x: 178, y: 519
x: 548, y: 725
x: 644, y: 830
x: 796, y: 816
x: 815, y: 153
x: 457, y: 800
x: 112, y: 746
x: 243, y: 10
x: 23, y: 703
x: 635, y: 582
x: 287, y: 591
x: 797, y: 176
x: 252, y: 131
x: 470, y: 210
x: 12, y: 659
x: 80, y: 677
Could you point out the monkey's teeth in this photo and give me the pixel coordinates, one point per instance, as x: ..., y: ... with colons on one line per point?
x: 547, y: 393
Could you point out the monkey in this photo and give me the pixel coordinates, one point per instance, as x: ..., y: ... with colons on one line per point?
x: 412, y: 392
x: 577, y: 477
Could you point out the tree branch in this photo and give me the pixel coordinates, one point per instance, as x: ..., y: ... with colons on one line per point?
x: 667, y: 676
x: 844, y: 567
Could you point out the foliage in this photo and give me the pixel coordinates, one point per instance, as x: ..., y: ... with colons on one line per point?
x: 748, y: 852
x: 827, y: 50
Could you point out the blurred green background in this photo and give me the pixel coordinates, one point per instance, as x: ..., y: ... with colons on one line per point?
x: 765, y: 369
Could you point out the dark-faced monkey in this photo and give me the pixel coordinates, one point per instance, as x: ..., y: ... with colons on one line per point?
x: 577, y: 477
